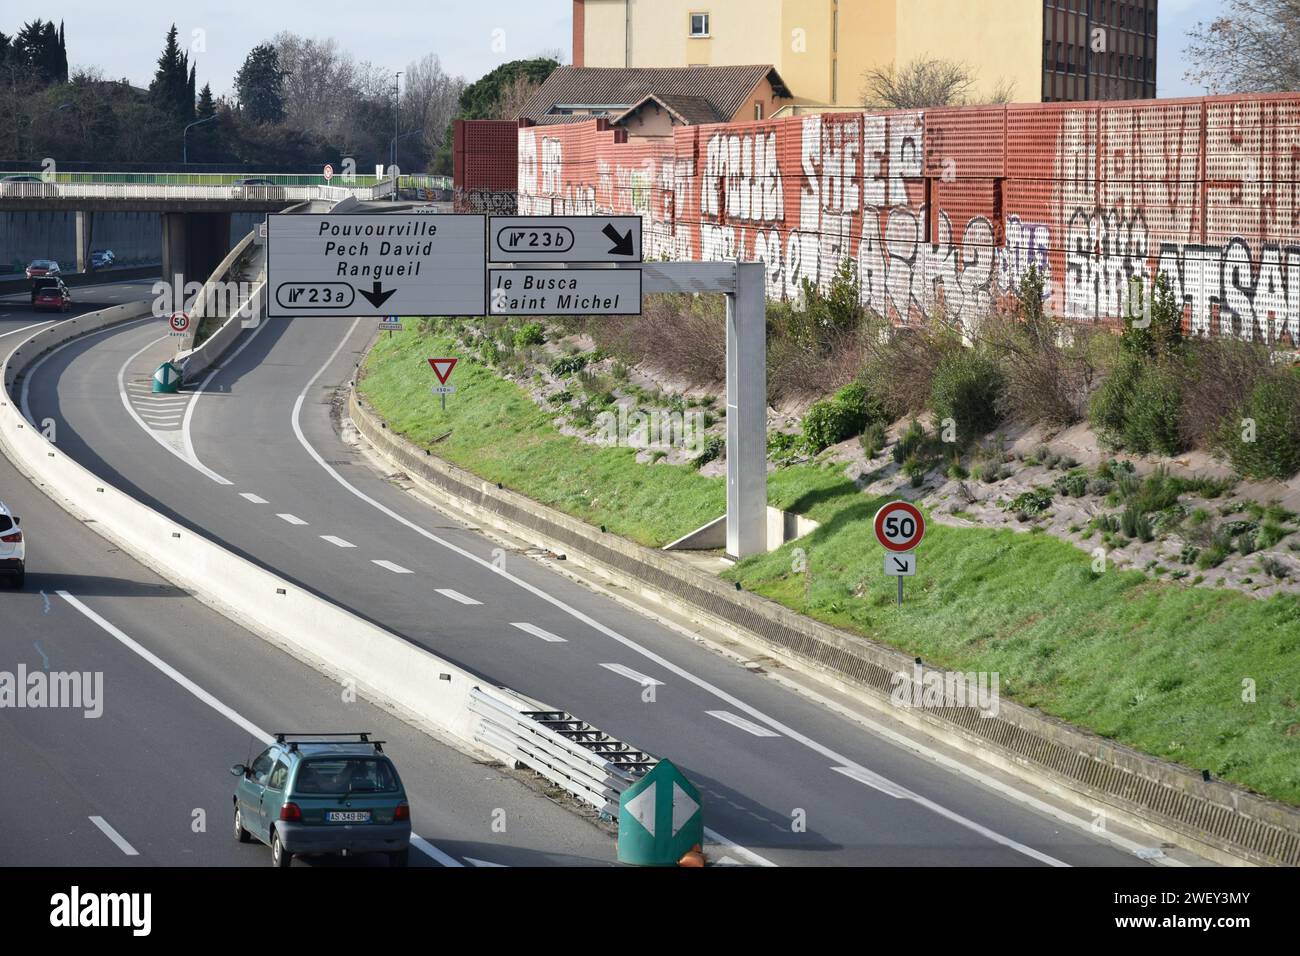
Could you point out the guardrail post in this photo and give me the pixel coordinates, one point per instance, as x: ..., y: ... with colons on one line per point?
x: 747, y: 413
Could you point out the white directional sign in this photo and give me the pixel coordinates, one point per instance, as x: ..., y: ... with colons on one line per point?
x: 564, y: 239
x: 322, y: 265
x: 564, y: 291
x: 901, y: 565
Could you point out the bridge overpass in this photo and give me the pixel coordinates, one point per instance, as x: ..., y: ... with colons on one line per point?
x: 194, y: 209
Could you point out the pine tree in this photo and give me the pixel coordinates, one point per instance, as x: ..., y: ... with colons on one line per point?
x: 261, y: 85
x: 207, y: 105
x: 171, y: 88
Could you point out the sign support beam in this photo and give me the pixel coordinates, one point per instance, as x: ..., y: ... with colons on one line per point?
x: 747, y: 413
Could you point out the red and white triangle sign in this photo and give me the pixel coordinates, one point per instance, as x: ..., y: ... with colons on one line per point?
x: 442, y: 368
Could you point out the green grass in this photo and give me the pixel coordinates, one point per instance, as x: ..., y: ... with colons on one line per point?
x: 493, y: 429
x: 1152, y: 664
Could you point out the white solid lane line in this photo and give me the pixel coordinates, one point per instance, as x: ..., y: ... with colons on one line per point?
x: 727, y: 717
x: 536, y: 631
x: 337, y: 542
x: 117, y: 838
x: 630, y: 674
x: 456, y: 596
x: 806, y: 741
x: 255, y: 499
x: 225, y: 711
x: 484, y: 863
x: 395, y: 568
x: 186, y: 438
x: 292, y: 519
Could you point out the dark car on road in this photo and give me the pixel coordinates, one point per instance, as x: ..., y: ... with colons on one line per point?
x: 321, y: 793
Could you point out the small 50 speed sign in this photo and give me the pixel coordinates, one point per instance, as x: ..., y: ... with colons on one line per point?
x: 899, y: 526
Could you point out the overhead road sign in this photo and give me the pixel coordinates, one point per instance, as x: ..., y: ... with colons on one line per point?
x: 337, y: 264
x: 564, y: 291
x: 564, y: 239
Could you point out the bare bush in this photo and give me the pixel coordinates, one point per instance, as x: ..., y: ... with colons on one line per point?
x: 1221, y: 374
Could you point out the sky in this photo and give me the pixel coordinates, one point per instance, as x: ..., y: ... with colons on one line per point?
x: 470, y: 36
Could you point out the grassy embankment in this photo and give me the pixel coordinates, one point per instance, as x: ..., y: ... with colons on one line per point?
x: 1156, y: 665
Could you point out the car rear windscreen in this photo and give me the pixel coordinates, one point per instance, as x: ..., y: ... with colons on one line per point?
x: 5, y: 523
x: 335, y: 775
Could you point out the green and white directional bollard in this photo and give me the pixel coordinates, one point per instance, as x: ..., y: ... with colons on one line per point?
x: 659, y: 818
x: 167, y: 378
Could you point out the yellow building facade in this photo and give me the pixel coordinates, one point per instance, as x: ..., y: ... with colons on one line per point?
x: 822, y: 48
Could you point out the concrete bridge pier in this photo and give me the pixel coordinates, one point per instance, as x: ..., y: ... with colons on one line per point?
x: 85, y: 229
x: 193, y: 244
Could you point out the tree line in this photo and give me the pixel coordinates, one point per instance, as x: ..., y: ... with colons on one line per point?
x: 297, y: 103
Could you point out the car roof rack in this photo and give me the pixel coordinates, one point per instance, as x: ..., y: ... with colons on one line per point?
x: 363, y: 737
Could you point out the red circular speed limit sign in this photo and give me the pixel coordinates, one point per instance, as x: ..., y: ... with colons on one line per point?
x: 899, y: 526
x: 179, y: 321
x: 329, y: 172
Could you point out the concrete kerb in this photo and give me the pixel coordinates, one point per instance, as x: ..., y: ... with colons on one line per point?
x: 1222, y: 821
x: 381, y: 664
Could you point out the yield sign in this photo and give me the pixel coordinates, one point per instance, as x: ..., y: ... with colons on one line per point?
x: 442, y: 368
x: 659, y: 818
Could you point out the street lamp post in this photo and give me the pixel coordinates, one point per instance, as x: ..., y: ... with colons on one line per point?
x: 397, y: 117
x: 185, y: 143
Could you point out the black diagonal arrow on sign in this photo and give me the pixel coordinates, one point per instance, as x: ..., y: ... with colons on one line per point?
x: 376, y: 296
x: 900, y: 564
x: 622, y: 243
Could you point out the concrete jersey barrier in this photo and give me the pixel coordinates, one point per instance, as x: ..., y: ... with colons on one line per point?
x: 424, y: 685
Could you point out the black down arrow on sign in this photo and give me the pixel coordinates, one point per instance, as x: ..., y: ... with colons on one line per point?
x: 376, y: 296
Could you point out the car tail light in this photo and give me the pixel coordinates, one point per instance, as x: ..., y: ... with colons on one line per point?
x: 403, y: 812
x: 15, y: 538
x: 290, y: 812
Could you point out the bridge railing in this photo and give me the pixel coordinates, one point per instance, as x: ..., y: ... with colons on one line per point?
x: 186, y: 179
x: 167, y: 191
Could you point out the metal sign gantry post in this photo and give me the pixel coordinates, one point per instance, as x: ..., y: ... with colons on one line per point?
x: 743, y: 283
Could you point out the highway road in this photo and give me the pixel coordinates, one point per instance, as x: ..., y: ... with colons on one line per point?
x: 185, y: 694
x: 256, y: 463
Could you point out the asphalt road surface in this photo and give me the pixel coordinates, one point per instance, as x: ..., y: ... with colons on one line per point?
x: 258, y: 466
x: 184, y: 694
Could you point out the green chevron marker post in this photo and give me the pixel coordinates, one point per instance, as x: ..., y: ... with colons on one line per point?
x: 167, y: 378
x: 659, y: 818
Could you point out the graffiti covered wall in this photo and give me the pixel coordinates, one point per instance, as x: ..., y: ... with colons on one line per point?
x: 947, y: 209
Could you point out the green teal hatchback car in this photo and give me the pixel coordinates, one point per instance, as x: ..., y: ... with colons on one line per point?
x: 317, y: 793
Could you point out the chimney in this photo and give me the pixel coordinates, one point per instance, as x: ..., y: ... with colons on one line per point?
x: 579, y: 32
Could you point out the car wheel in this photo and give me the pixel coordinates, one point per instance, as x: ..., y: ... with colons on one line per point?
x: 280, y: 857
x: 242, y: 835
x: 400, y: 858
x: 19, y: 578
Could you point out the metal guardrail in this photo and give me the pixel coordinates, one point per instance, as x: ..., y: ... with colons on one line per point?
x: 193, y: 193
x: 568, y: 751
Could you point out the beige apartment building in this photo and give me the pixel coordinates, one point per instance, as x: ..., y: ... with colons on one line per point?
x: 1043, y: 50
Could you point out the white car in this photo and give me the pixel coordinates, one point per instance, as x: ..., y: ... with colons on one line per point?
x: 13, y: 550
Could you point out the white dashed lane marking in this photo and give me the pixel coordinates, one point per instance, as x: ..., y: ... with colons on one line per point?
x: 456, y: 596
x: 337, y: 542
x: 630, y: 674
x: 255, y: 499
x: 536, y: 631
x: 292, y: 519
x: 395, y: 568
x: 118, y: 840
x: 748, y: 726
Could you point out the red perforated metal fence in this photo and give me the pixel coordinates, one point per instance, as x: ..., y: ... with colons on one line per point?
x: 948, y: 208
